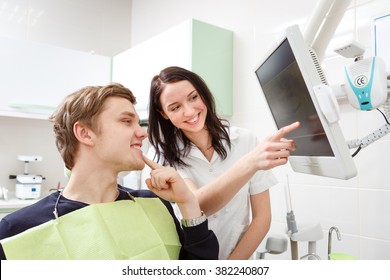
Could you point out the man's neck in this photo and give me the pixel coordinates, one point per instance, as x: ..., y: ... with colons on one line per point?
x: 91, y: 187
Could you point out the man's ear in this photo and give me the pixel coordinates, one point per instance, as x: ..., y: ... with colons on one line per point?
x: 83, y: 133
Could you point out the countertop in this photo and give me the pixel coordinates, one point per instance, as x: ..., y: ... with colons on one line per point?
x: 14, y: 203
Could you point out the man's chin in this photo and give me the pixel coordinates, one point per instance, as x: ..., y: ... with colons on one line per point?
x: 134, y: 166
x: 139, y: 166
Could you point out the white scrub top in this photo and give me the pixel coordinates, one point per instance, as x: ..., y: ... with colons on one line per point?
x: 230, y: 222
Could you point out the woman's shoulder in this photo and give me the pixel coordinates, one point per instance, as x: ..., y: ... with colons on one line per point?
x: 236, y: 132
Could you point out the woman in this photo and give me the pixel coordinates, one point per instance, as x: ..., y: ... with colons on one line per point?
x: 216, y: 160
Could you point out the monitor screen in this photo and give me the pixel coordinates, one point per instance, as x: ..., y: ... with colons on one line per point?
x: 289, y: 100
x: 287, y: 77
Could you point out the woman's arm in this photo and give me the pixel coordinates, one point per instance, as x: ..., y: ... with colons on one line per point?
x: 261, y: 221
x: 272, y: 151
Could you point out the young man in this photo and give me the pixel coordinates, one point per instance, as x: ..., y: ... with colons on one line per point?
x: 98, y: 135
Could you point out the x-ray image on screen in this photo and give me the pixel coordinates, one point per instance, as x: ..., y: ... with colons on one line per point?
x: 289, y: 100
x: 287, y: 76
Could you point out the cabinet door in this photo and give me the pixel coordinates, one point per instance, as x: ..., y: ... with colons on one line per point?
x: 35, y: 77
x: 135, y: 67
x: 203, y: 48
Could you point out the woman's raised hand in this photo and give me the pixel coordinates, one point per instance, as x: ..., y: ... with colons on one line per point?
x: 273, y: 150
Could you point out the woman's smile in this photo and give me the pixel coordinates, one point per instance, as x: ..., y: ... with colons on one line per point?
x: 194, y: 120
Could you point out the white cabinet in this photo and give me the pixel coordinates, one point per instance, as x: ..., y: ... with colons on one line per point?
x: 36, y: 77
x: 203, y: 48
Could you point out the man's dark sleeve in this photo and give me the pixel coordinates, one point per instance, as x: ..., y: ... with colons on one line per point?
x: 2, y: 254
x: 198, y: 242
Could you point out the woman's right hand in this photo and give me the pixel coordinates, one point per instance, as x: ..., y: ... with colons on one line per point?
x: 273, y: 150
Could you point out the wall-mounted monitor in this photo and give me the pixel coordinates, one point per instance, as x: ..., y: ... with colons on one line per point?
x: 287, y: 76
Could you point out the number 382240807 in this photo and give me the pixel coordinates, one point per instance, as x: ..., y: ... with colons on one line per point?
x: 235, y: 270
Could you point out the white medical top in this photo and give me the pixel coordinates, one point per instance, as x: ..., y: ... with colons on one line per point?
x: 231, y: 221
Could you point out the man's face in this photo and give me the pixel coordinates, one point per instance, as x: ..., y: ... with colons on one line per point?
x: 118, y: 138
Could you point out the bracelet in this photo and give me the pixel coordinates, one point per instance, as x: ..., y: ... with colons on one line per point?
x: 195, y: 221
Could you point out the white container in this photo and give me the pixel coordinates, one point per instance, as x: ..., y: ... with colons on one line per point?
x: 28, y: 186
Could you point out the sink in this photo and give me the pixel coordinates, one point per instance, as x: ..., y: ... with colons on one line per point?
x: 341, y: 256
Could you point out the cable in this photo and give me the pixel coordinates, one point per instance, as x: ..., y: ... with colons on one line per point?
x: 383, y: 114
x: 386, y: 105
x: 357, y: 151
x: 377, y: 134
x: 371, y: 138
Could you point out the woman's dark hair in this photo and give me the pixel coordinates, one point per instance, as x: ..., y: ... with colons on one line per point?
x: 163, y: 134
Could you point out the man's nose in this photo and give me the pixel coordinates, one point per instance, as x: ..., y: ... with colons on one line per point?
x: 141, y: 133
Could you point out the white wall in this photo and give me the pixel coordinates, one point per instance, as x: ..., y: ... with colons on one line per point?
x: 99, y: 26
x: 359, y: 206
x: 21, y: 136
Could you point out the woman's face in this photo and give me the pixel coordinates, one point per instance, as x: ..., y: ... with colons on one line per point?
x: 183, y: 106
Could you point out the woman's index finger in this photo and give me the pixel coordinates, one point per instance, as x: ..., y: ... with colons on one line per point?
x: 153, y: 165
x: 281, y: 133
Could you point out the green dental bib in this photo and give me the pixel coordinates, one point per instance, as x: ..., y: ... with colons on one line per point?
x: 141, y: 229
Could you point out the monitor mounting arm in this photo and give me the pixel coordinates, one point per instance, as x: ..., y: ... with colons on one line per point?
x: 375, y: 135
x: 323, y: 23
x: 318, y: 32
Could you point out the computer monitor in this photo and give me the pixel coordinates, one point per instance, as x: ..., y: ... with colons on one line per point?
x: 287, y: 77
